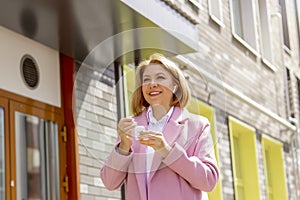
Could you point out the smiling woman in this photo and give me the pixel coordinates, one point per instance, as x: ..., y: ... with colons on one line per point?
x: 173, y: 155
x: 163, y: 68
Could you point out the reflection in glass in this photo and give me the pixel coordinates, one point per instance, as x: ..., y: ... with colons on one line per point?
x: 2, y: 156
x: 37, y: 160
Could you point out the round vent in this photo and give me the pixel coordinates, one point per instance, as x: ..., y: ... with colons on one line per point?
x: 29, y: 71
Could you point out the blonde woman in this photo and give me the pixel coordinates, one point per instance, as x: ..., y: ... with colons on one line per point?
x: 172, y: 156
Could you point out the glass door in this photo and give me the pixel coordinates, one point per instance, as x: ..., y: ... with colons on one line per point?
x: 37, y: 157
x: 37, y: 165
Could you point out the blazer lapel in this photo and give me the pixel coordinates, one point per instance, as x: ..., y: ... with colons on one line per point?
x: 172, y: 131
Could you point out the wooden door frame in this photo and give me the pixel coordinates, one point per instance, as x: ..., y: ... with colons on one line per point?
x: 29, y: 106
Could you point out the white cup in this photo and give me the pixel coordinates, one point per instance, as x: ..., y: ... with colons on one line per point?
x: 138, y: 130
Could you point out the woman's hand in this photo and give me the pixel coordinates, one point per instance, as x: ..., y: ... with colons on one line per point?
x: 124, y: 129
x: 155, y: 140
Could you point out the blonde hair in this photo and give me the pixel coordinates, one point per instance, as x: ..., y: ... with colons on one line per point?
x: 181, y: 96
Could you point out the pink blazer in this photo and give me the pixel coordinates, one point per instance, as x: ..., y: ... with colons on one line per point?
x: 187, y: 172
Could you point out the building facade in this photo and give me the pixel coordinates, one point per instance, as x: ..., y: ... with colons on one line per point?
x: 68, y: 74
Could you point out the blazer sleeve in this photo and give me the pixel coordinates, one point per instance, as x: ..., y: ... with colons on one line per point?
x: 115, y: 168
x: 199, y: 169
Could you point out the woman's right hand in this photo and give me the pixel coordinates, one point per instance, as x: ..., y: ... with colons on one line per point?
x: 125, y: 127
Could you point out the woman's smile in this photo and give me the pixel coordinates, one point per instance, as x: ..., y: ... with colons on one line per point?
x: 155, y: 93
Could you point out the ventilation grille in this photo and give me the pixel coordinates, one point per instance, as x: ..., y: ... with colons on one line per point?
x: 29, y: 71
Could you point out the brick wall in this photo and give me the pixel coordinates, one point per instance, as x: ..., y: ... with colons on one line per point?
x: 96, y: 122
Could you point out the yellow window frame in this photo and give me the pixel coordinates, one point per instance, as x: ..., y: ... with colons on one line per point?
x: 200, y: 108
x: 274, y: 168
x: 129, y: 86
x: 244, y: 160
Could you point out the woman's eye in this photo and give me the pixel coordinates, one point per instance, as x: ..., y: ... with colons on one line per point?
x: 146, y: 80
x: 160, y: 77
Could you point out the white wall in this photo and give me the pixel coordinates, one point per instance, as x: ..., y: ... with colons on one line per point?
x: 12, y: 48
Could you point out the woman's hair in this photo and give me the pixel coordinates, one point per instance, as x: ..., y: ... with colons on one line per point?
x: 181, y: 95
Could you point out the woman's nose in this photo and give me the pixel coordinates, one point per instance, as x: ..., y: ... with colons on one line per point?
x: 153, y: 83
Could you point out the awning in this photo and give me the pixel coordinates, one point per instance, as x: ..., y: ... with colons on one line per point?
x: 125, y: 28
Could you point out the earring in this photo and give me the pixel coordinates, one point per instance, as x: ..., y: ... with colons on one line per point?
x: 175, y: 88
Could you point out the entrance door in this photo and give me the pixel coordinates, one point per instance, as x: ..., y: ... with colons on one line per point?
x: 37, y: 159
x: 32, y: 155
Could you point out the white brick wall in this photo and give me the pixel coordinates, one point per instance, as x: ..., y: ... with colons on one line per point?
x: 96, y: 122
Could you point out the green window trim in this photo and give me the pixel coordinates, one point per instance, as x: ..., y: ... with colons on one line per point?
x: 274, y: 168
x: 244, y: 160
x: 197, y: 107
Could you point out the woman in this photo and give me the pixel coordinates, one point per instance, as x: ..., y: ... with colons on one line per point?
x: 173, y: 158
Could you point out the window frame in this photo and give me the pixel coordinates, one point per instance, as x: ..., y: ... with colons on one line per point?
x: 285, y: 26
x: 290, y: 107
x: 129, y: 86
x: 247, y: 164
x: 240, y: 38
x: 265, y: 35
x: 196, y: 3
x: 275, y: 169
x: 200, y: 108
x: 216, y: 19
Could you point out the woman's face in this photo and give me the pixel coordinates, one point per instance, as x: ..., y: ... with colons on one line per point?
x: 158, y: 85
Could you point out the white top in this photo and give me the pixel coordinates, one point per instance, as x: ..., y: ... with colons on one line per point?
x: 157, y: 126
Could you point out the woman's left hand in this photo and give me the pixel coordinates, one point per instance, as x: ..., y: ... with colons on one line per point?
x: 155, y: 140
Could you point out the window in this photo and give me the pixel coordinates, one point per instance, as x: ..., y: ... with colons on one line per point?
x: 197, y: 107
x: 215, y: 11
x: 297, y: 5
x: 37, y: 158
x: 244, y: 160
x: 274, y: 168
x: 265, y: 33
x: 243, y: 26
x: 2, y: 155
x: 289, y: 95
x: 285, y: 29
x: 298, y: 88
x: 129, y: 86
x: 195, y: 3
